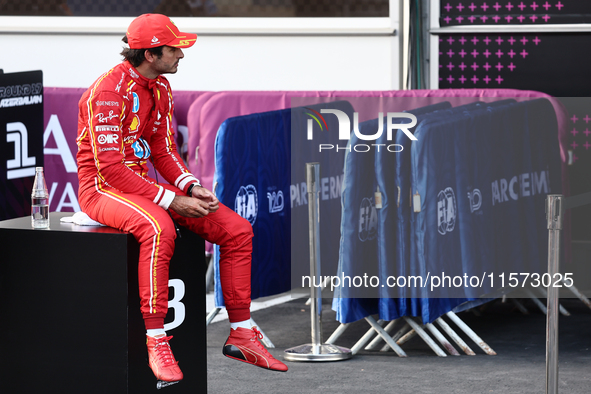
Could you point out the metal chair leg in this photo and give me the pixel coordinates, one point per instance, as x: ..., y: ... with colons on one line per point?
x: 337, y: 333
x: 365, y: 338
x: 385, y: 336
x: 375, y: 342
x: 464, y: 327
x: 425, y: 337
x: 211, y: 315
x: 442, y: 340
x: 455, y: 337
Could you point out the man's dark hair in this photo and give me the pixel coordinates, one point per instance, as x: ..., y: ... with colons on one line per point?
x: 136, y: 56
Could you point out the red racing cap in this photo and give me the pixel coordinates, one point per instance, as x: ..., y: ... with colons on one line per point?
x: 154, y: 30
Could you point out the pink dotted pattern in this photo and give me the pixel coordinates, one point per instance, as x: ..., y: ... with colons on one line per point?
x: 484, y: 60
x: 580, y: 132
x: 469, y: 12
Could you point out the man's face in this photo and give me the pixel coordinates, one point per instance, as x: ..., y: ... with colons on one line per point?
x: 169, y: 61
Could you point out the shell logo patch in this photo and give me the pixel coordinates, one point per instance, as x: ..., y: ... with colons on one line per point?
x: 135, y: 124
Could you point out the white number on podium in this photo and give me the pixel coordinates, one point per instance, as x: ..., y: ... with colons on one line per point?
x: 176, y: 304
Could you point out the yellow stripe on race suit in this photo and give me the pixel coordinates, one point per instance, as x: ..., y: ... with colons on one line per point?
x: 155, y: 244
x: 90, y: 120
x: 81, y: 136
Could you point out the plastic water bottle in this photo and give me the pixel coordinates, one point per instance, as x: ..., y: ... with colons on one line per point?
x: 39, y: 201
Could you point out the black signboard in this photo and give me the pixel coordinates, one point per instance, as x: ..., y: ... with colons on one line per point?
x: 21, y: 140
x: 553, y: 63
x: 73, y: 321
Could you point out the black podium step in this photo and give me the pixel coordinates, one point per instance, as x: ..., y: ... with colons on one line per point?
x: 71, y: 318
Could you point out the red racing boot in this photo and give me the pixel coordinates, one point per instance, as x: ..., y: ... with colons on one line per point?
x: 243, y: 345
x: 161, y: 359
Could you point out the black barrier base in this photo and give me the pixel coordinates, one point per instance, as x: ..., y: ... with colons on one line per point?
x: 71, y: 321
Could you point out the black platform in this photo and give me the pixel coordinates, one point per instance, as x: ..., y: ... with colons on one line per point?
x: 71, y: 321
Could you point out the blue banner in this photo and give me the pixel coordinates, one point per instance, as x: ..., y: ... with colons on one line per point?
x: 479, y: 183
x: 252, y: 177
x: 362, y: 232
x: 315, y: 137
x: 257, y: 176
x: 446, y: 206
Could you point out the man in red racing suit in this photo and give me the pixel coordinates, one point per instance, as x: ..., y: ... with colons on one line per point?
x: 125, y: 119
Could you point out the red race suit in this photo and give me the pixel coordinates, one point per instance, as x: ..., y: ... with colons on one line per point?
x: 125, y: 120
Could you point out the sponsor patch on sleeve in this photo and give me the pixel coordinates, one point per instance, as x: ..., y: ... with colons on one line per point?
x: 106, y: 128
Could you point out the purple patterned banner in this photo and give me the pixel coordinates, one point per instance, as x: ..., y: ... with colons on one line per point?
x: 461, y: 12
x: 553, y: 63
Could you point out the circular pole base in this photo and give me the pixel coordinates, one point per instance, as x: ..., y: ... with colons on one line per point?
x: 324, y: 352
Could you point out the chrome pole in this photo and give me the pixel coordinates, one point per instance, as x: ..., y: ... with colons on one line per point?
x: 315, y: 351
x: 313, y: 178
x: 554, y: 214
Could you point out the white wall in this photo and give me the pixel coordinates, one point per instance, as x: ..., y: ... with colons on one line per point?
x: 230, y: 53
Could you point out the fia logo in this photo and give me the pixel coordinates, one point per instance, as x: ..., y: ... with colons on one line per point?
x: 22, y: 166
x: 276, y: 201
x: 446, y: 211
x: 246, y: 203
x: 475, y: 198
x: 368, y: 220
